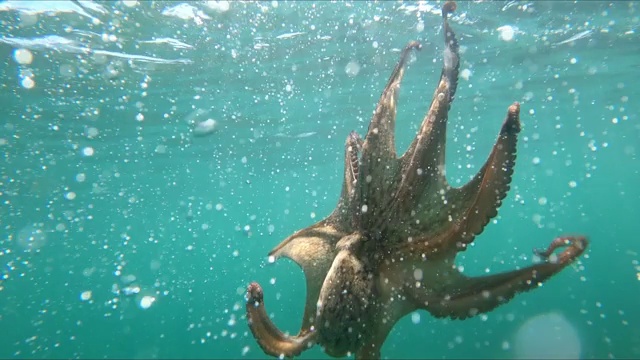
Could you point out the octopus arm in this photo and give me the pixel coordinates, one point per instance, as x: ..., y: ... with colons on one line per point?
x: 347, y: 205
x: 474, y: 204
x: 313, y: 249
x: 468, y: 296
x: 422, y: 165
x: 269, y: 337
x: 378, y: 158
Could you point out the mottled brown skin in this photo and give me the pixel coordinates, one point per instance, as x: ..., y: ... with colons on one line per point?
x: 389, y: 246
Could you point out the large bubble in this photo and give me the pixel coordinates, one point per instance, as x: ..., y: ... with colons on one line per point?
x: 547, y: 336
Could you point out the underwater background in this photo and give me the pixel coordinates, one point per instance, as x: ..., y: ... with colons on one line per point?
x: 153, y: 152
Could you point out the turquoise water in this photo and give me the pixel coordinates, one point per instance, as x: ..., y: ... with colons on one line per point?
x: 124, y: 234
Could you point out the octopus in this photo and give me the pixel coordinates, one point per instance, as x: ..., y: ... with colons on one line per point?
x: 389, y: 246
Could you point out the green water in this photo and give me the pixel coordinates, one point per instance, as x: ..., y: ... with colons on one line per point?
x: 123, y: 235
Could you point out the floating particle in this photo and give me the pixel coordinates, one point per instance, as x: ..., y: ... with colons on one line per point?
x: 542, y: 201
x: 572, y: 184
x: 506, y: 32
x: 417, y: 274
x: 87, y: 151
x: 206, y: 127
x: 23, y: 56
x: 146, y: 302
x: 70, y: 195
x: 352, y: 69
x: 131, y: 290
x: 128, y: 279
x: 161, y: 149
x: 218, y: 206
x: 560, y: 339
x: 85, y: 295
x: 92, y: 132
x: 130, y: 3
x: 32, y: 237
x: 465, y: 74
x: 536, y: 160
x: 28, y: 83
x: 218, y: 5
x: 415, y: 318
x: 289, y: 35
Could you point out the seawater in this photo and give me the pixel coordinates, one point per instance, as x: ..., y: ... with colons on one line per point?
x: 128, y: 231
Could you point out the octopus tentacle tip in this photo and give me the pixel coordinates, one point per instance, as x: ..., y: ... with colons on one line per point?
x: 414, y: 45
x: 448, y: 8
x: 254, y: 292
x: 514, y: 109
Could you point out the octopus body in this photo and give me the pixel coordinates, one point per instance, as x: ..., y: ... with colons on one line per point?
x: 389, y: 246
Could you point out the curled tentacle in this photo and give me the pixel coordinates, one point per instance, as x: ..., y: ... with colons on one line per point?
x: 269, y: 337
x: 575, y: 245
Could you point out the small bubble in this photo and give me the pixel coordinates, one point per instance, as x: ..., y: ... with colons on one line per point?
x: 542, y: 201
x: 140, y: 117
x: 536, y: 160
x: 70, y: 195
x: 572, y: 184
x: 415, y: 318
